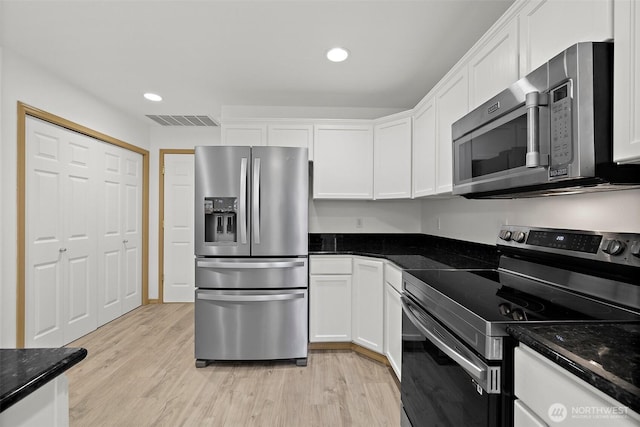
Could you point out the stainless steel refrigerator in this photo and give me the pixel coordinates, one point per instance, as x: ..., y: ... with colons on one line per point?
x: 251, y: 247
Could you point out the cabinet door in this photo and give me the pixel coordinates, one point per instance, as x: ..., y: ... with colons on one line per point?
x: 368, y: 296
x: 626, y: 82
x: 393, y: 328
x: 291, y: 135
x: 548, y: 27
x: 244, y: 134
x: 343, y: 162
x: 495, y: 65
x: 392, y: 160
x: 452, y: 102
x: 330, y: 308
x: 424, y: 150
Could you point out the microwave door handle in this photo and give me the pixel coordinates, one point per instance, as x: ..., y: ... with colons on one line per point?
x: 533, y: 102
x: 242, y: 203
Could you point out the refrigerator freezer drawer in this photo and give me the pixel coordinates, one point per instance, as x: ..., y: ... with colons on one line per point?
x: 251, y: 325
x: 251, y: 273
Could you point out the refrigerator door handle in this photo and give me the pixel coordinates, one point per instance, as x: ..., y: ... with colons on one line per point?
x: 251, y: 298
x: 249, y: 265
x: 242, y: 206
x: 256, y: 200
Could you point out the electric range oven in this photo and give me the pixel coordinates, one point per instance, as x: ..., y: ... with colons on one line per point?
x: 457, y: 358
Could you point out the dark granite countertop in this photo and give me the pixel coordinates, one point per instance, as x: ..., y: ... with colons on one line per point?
x: 22, y: 371
x: 604, y: 355
x: 408, y: 251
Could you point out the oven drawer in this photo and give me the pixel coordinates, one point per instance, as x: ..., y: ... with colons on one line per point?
x: 251, y: 325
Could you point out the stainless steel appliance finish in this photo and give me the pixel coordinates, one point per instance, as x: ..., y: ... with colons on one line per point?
x: 251, y: 270
x: 462, y: 348
x: 551, y: 131
x: 251, y: 324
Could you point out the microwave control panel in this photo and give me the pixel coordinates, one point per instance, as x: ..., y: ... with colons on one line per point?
x: 561, y: 152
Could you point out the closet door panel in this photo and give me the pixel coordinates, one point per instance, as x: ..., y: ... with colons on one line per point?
x: 110, y: 236
x: 132, y: 239
x: 44, y: 235
x: 81, y: 237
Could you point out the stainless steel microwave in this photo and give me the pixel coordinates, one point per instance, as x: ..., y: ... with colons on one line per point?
x: 550, y: 132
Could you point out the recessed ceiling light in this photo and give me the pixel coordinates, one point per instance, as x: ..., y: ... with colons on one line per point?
x: 337, y: 54
x: 153, y: 97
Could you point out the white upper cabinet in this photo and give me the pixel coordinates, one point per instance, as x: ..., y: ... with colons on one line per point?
x: 392, y: 159
x: 494, y: 66
x: 547, y: 27
x: 452, y: 102
x: 343, y: 161
x: 626, y: 82
x: 246, y: 134
x: 424, y: 149
x: 291, y: 135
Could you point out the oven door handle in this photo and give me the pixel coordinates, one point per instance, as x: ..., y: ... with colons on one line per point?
x: 477, y: 372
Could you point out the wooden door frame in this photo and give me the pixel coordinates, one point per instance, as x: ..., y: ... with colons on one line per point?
x: 164, y: 152
x: 25, y: 110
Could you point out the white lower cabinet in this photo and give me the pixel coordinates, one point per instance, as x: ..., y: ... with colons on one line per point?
x: 550, y: 395
x: 393, y: 317
x: 46, y: 406
x: 367, y: 304
x: 330, y: 299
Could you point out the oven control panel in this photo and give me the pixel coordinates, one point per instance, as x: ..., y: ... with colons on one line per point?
x: 618, y: 248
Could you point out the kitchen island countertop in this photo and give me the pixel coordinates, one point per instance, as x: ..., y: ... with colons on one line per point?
x: 23, y: 371
x: 604, y: 355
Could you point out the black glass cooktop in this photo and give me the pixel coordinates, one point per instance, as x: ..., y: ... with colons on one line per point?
x: 498, y: 296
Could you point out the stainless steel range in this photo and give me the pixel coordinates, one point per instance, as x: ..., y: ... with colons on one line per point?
x: 457, y: 355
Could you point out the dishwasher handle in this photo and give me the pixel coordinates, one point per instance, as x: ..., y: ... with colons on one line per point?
x: 250, y: 298
x: 475, y: 368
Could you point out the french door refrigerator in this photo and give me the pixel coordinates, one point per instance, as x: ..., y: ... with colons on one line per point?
x: 251, y: 247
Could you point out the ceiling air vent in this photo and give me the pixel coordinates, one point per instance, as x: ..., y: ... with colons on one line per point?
x: 183, y: 120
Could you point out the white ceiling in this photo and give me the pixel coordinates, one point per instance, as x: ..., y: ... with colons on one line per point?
x: 201, y: 55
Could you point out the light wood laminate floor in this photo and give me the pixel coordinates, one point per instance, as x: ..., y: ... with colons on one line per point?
x: 140, y: 371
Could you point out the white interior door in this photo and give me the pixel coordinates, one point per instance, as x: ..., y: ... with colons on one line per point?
x: 110, y: 234
x: 80, y: 254
x: 132, y: 230
x: 178, y: 267
x: 61, y: 262
x: 119, y: 232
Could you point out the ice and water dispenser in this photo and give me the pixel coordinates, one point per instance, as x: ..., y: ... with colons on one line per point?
x: 220, y: 219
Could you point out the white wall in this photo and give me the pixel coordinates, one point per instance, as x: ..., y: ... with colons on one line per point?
x: 479, y: 220
x: 379, y: 216
x: 26, y: 82
x: 165, y: 138
x: 1, y: 203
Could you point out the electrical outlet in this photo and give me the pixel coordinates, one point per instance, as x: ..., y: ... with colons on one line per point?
x: 359, y: 222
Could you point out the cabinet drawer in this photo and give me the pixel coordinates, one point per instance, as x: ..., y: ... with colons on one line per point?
x: 330, y: 265
x: 393, y: 276
x: 549, y: 390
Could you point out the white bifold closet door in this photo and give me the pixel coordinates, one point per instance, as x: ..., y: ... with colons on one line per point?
x: 119, y: 232
x: 64, y: 216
